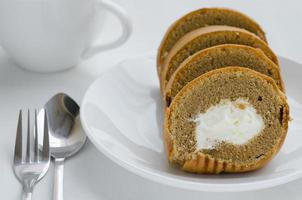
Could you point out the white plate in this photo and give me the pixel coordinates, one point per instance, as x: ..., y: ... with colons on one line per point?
x: 122, y: 115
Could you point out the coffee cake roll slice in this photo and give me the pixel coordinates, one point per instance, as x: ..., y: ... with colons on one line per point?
x: 227, y: 120
x: 201, y: 18
x: 207, y: 37
x: 218, y: 57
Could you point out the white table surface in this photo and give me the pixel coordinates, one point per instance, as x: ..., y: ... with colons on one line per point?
x: 90, y: 175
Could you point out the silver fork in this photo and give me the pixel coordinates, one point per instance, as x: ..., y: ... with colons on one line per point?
x: 30, y: 164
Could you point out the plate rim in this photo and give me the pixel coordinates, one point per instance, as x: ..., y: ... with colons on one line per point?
x: 174, y: 181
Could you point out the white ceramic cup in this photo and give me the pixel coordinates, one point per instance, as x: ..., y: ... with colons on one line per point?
x: 54, y: 35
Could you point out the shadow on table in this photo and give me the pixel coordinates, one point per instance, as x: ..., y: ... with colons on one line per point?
x: 106, y: 180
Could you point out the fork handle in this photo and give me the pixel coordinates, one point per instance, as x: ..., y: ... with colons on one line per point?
x: 26, y: 196
x: 58, y: 179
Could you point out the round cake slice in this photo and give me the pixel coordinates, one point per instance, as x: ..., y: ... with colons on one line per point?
x: 207, y: 37
x: 232, y: 119
x: 201, y: 18
x: 218, y: 57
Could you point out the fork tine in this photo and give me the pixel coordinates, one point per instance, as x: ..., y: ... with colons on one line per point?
x: 36, y: 148
x: 18, y: 143
x: 45, y: 151
x: 28, y: 145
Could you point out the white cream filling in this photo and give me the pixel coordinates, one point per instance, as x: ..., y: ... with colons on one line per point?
x: 234, y: 122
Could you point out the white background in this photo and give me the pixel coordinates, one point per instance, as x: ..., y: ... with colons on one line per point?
x: 90, y: 175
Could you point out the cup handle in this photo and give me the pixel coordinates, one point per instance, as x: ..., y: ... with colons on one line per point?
x: 123, y: 17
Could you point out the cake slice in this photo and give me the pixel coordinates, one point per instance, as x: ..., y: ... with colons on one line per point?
x: 218, y: 57
x: 227, y: 120
x: 207, y: 37
x: 201, y: 18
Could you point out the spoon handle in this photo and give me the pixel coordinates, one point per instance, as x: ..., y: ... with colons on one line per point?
x: 26, y: 196
x: 58, y: 179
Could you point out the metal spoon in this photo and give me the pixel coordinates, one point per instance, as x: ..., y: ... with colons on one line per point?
x: 66, y: 137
